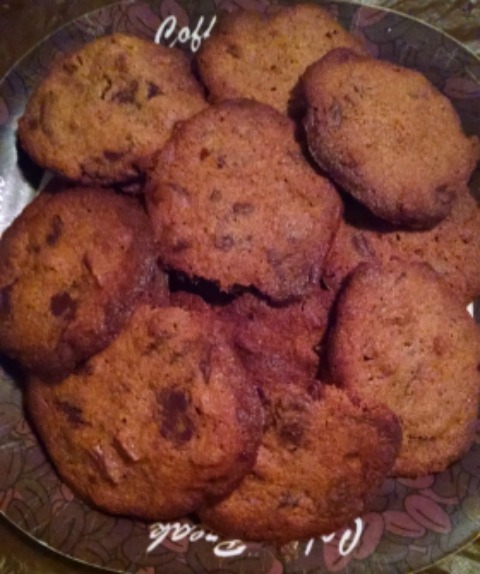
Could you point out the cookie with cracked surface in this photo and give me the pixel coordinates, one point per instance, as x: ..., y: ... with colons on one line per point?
x: 388, y: 136
x: 450, y: 247
x: 401, y: 338
x: 158, y: 440
x: 250, y: 55
x: 322, y: 459
x: 131, y: 91
x: 71, y: 267
x: 278, y: 342
x: 232, y: 200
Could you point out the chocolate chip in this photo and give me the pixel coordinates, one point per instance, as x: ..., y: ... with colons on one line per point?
x: 126, y: 95
x: 224, y: 242
x: 62, y: 305
x: 55, y: 231
x: 6, y: 298
x: 241, y: 208
x: 175, y: 424
x: 262, y: 396
x: 107, y: 463
x: 221, y: 161
x: 174, y: 400
x: 153, y: 90
x: 73, y: 413
x: 126, y: 447
x: 204, y: 153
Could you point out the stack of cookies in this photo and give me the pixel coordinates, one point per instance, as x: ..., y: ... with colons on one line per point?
x: 244, y: 294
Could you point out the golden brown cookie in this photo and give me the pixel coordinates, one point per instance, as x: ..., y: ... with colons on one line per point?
x: 322, y: 459
x: 233, y: 200
x: 72, y: 265
x: 401, y: 338
x: 250, y: 55
x: 451, y: 247
x: 388, y: 136
x: 156, y: 424
x: 105, y: 108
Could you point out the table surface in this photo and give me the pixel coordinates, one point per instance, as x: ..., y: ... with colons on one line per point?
x: 23, y: 23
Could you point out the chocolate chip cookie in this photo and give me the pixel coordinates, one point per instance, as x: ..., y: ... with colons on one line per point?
x: 403, y: 339
x: 72, y: 266
x: 251, y: 55
x: 323, y: 457
x: 161, y: 421
x: 387, y: 136
x: 103, y: 110
x: 233, y: 200
x: 450, y: 247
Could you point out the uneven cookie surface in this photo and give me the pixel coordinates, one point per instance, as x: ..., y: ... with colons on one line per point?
x: 450, y: 247
x: 323, y: 456
x: 388, y: 136
x: 157, y: 440
x: 71, y: 267
x: 402, y: 339
x: 278, y: 343
x: 105, y: 108
x: 262, y: 57
x: 233, y: 200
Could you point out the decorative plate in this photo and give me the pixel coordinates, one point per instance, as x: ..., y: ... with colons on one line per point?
x: 414, y: 522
